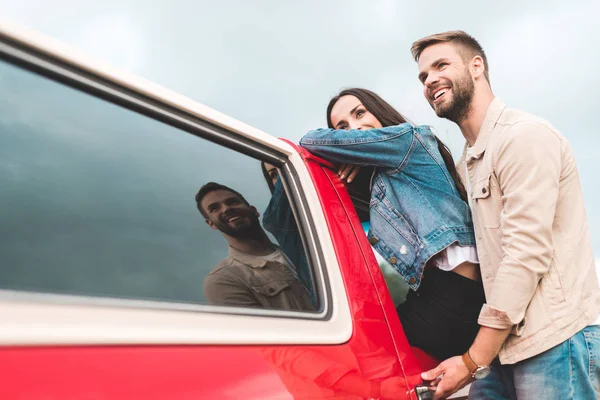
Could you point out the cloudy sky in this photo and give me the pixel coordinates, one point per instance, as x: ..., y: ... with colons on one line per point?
x: 275, y: 64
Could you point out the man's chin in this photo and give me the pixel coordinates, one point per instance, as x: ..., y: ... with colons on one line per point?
x: 437, y: 109
x: 443, y: 112
x: 243, y: 232
x: 440, y: 112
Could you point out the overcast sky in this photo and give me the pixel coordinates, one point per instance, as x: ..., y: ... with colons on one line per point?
x: 275, y: 64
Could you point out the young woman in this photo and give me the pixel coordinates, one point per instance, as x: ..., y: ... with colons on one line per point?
x: 419, y: 219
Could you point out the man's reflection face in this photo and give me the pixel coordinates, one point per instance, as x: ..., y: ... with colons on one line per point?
x: 230, y: 214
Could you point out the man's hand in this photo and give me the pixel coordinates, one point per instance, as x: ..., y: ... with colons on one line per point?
x: 348, y: 172
x: 455, y: 377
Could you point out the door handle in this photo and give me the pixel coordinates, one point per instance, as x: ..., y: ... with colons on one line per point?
x: 423, y: 393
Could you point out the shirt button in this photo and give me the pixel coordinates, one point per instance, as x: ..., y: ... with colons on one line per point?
x: 374, y: 240
x: 271, y: 290
x: 393, y: 260
x: 412, y: 280
x: 484, y: 190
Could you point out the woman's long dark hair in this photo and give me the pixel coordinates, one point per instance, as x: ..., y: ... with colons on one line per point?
x: 388, y: 116
x: 268, y: 178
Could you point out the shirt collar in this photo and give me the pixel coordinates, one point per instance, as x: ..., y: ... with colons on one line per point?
x: 489, y: 122
x: 247, y: 259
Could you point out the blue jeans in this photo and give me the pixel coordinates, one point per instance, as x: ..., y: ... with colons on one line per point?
x: 569, y: 371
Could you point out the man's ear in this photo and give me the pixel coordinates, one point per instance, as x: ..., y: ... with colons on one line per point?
x: 211, y: 224
x: 255, y: 211
x: 477, y: 67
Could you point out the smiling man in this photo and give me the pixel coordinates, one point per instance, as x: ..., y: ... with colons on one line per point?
x: 256, y: 273
x: 537, y: 328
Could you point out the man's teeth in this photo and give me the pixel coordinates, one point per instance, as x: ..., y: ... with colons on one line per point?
x: 437, y: 95
x: 233, y: 219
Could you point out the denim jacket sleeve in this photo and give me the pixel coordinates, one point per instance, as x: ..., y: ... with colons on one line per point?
x: 382, y: 147
x: 278, y: 219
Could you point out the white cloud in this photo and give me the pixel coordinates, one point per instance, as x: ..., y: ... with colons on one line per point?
x: 115, y: 39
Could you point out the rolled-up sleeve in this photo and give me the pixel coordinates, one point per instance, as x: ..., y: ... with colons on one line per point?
x: 528, y: 168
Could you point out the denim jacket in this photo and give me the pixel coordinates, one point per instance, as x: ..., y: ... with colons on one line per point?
x: 415, y: 210
x: 279, y: 220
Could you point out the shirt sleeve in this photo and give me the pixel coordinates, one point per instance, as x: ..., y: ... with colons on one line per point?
x: 384, y: 147
x: 528, y: 168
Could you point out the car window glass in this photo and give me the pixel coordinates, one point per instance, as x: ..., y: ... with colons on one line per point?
x: 98, y: 200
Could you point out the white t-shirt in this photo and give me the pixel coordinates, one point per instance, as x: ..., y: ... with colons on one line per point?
x: 454, y: 255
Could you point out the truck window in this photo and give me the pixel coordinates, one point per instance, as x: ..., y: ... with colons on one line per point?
x: 100, y: 201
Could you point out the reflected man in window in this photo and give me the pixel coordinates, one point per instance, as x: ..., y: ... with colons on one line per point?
x: 256, y: 273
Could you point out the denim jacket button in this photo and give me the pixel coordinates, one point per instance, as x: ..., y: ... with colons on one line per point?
x: 403, y: 250
x: 412, y: 280
x: 393, y: 260
x: 374, y: 240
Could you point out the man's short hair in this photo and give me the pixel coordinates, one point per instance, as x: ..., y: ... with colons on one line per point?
x: 469, y: 47
x: 211, y: 187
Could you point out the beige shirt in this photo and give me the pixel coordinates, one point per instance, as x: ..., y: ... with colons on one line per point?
x: 532, y: 233
x: 244, y: 280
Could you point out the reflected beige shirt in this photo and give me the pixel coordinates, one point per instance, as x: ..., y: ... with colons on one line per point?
x: 244, y: 280
x: 532, y: 233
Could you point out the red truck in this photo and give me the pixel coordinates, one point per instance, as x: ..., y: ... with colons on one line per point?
x: 103, y: 252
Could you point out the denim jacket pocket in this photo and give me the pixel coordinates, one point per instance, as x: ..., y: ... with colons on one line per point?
x: 399, y: 222
x: 487, y: 206
x: 377, y: 191
x: 401, y: 242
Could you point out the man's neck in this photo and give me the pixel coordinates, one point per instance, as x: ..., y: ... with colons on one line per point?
x: 471, y: 125
x: 257, y: 246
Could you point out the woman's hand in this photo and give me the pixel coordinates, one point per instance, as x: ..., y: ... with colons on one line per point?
x: 348, y: 172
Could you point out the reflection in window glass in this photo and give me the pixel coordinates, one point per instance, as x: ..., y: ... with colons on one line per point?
x: 98, y: 200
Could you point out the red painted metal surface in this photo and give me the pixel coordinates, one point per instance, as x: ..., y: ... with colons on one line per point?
x: 377, y: 351
x: 414, y: 360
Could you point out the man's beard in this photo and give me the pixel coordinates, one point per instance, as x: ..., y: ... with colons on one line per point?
x: 459, y: 107
x: 250, y: 230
